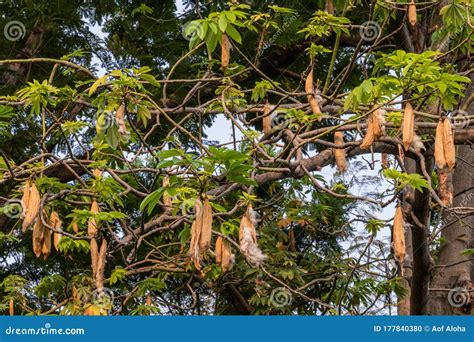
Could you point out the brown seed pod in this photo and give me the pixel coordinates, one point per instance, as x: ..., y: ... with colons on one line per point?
x: 309, y: 89
x: 11, y: 307
x: 439, y: 146
x: 375, y: 129
x: 226, y: 263
x: 248, y: 238
x: 225, y: 52
x: 449, y: 148
x: 340, y: 153
x: 206, y: 231
x: 445, y: 186
x: 75, y: 227
x: 329, y: 7
x: 398, y: 235
x: 218, y: 250
x: 56, y: 224
x: 46, y: 243
x: 120, y: 120
x: 412, y: 13
x: 166, y: 196
x: 26, y: 198
x: 384, y: 160
x: 92, y: 224
x: 266, y: 119
x: 37, y: 237
x: 94, y: 250
x: 148, y: 300
x: 408, y: 126
x: 32, y: 208
x: 99, y: 279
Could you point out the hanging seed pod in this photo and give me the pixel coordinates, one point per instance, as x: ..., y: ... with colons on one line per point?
x: 196, y: 229
x: 99, y: 279
x: 384, y: 160
x: 266, y: 119
x: 439, y: 146
x: 329, y: 7
x: 75, y: 228
x: 408, y: 126
x: 32, y: 207
x: 25, y: 198
x: 445, y: 186
x: 166, y: 196
x: 37, y: 237
x: 226, y: 262
x: 225, y: 52
x: 120, y: 120
x: 248, y: 238
x: 398, y: 235
x: 449, y: 148
x: 218, y: 250
x: 92, y: 224
x: 46, y: 243
x: 56, y: 224
x: 11, y: 307
x: 309, y: 89
x: 340, y: 153
x: 375, y: 128
x: 206, y: 231
x: 94, y: 250
x: 412, y: 13
x: 148, y: 300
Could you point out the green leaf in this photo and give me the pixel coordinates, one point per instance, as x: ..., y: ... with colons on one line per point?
x: 233, y: 33
x: 222, y: 23
x: 118, y: 274
x: 101, y: 81
x: 151, y: 200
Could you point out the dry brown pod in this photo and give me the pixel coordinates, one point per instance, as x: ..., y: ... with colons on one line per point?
x: 384, y: 160
x: 226, y: 256
x: 439, y: 146
x: 248, y: 238
x: 46, y: 243
x: 32, y: 207
x: 225, y: 51
x: 449, y: 147
x: 375, y: 129
x: 206, y: 231
x: 94, y: 250
x: 398, y: 235
x: 309, y: 89
x: 75, y: 227
x: 445, y: 186
x: 266, y: 119
x: 412, y: 13
x: 408, y: 126
x: 25, y: 198
x: 329, y: 7
x: 11, y: 307
x: 37, y: 237
x: 148, y: 300
x: 166, y: 196
x: 56, y: 224
x: 92, y: 224
x: 218, y: 250
x: 340, y: 153
x: 201, y: 231
x: 120, y: 119
x: 99, y: 279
